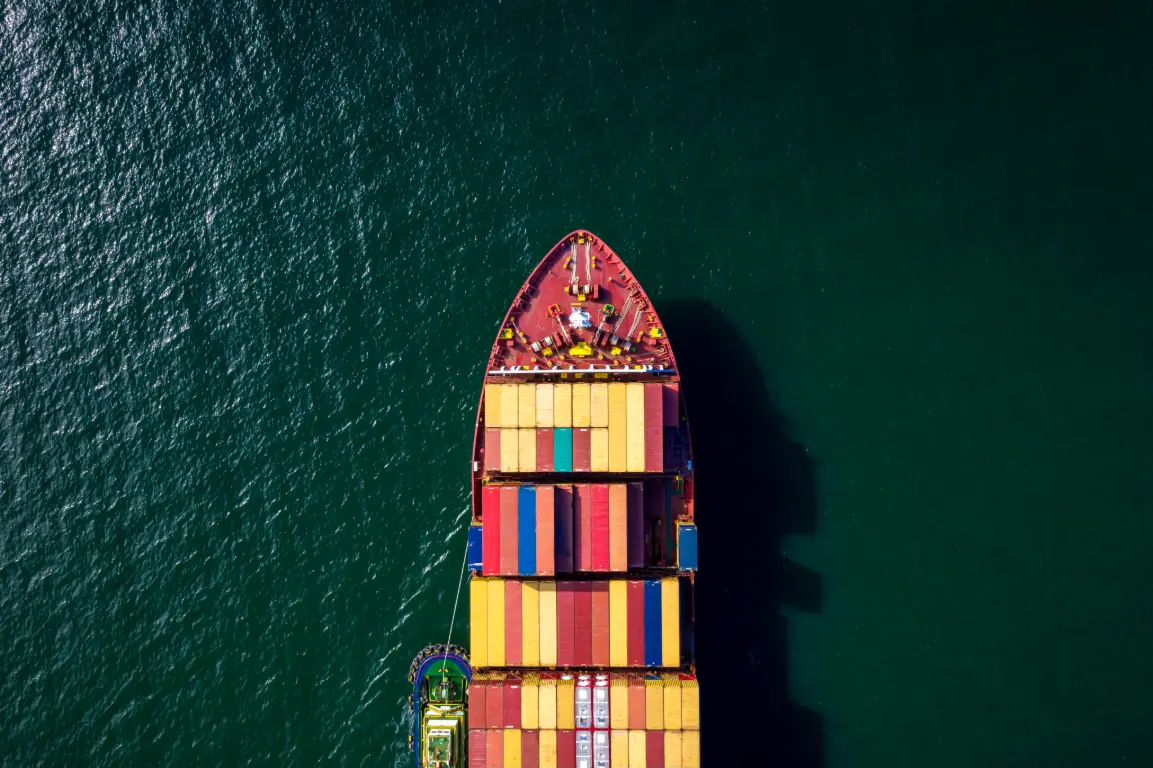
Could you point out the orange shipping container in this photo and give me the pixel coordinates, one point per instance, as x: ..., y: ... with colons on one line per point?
x: 492, y: 405
x: 635, y: 426
x: 492, y: 450
x: 599, y: 405
x: 562, y: 405
x: 599, y: 450
x: 636, y: 704
x: 618, y: 528
x: 526, y: 450
x: 494, y: 749
x: 545, y: 530
x: 513, y: 615
x: 618, y: 424
x: 600, y: 617
x: 509, y: 444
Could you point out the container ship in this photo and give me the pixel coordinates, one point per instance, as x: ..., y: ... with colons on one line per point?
x: 582, y: 548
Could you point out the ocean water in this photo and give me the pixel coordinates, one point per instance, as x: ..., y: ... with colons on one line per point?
x: 252, y: 254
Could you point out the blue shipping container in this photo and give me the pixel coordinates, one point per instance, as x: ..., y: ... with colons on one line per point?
x: 562, y: 450
x: 526, y: 530
x: 652, y: 622
x: 475, y: 547
x: 686, y: 547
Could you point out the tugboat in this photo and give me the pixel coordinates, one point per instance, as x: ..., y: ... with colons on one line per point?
x: 440, y: 675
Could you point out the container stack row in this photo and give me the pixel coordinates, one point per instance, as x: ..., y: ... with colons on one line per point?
x: 616, y: 623
x: 546, y: 748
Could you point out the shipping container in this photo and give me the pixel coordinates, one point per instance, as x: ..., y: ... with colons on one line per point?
x: 492, y: 456
x: 671, y: 408
x: 562, y: 450
x: 509, y: 408
x: 686, y: 547
x: 526, y: 405
x: 530, y: 703
x: 583, y: 705
x: 566, y: 749
x: 476, y: 748
x: 526, y: 450
x: 581, y: 450
x: 601, y: 749
x: 654, y: 429
x: 670, y: 623
x: 547, y: 702
x: 544, y: 401
x: 618, y: 624
x: 475, y: 547
x: 509, y: 530
x: 600, y: 623
x: 636, y: 525
x: 478, y: 621
x: 599, y: 538
x: 582, y: 623
x: 526, y: 530
x: 654, y: 705
x: 635, y: 643
x: 583, y: 520
x: 637, y: 750
x: 618, y: 527
x: 509, y: 456
x: 565, y: 704
x: 545, y: 530
x: 565, y: 529
x: 511, y: 704
x: 548, y: 624
x: 672, y: 694
x: 530, y: 749
x: 673, y: 749
x: 513, y: 613
x: 512, y: 748
x: 654, y: 749
x: 565, y: 615
x: 495, y: 622
x: 690, y: 749
x: 548, y: 748
x: 601, y: 704
x: 545, y: 450
x: 690, y: 706
x: 653, y: 623
x: 598, y: 450
x: 620, y: 748
x: 618, y: 702
x: 598, y: 404
x: 494, y: 748
x: 477, y: 710
x: 635, y: 426
x: 618, y: 426
x: 581, y: 405
x: 636, y: 704
x: 562, y: 405
x: 490, y: 525
x: 530, y: 624
x: 494, y: 714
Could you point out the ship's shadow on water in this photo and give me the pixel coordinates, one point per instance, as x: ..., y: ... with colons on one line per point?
x: 755, y: 485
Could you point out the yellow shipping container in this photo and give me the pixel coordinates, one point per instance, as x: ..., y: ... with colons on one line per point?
x: 526, y: 405
x: 495, y: 622
x: 548, y: 749
x: 526, y: 450
x: 618, y: 626
x: 619, y: 703
x: 670, y: 623
x: 581, y: 405
x: 565, y: 705
x: 672, y: 692
x: 530, y: 704
x: 547, y: 704
x: 690, y: 749
x: 673, y: 749
x: 509, y: 444
x: 635, y: 426
x: 690, y: 706
x: 530, y: 624
x: 599, y: 405
x: 619, y: 749
x: 618, y: 424
x: 509, y: 406
x: 599, y: 450
x: 562, y: 405
x: 492, y: 405
x: 637, y: 749
x: 512, y: 748
x: 478, y: 621
x: 548, y: 624
x: 654, y: 705
x: 544, y: 393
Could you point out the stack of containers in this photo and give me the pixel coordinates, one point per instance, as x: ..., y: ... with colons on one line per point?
x: 576, y: 641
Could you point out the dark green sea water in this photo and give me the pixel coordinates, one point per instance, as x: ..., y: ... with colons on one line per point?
x: 251, y: 257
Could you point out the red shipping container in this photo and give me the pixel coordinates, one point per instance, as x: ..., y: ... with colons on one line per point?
x: 600, y: 528
x: 670, y: 408
x: 636, y: 525
x: 477, y: 710
x: 654, y: 428
x: 476, y: 749
x: 490, y: 530
x: 566, y: 749
x: 492, y: 450
x: 583, y: 623
x: 530, y: 749
x: 600, y: 623
x: 512, y: 704
x: 618, y: 527
x: 635, y: 652
x: 494, y: 749
x: 582, y: 451
x: 583, y: 536
x: 508, y: 531
x: 544, y: 448
x: 545, y: 544
x: 636, y: 705
x: 494, y: 712
x: 565, y: 531
x: 565, y: 652
x: 513, y: 638
x: 655, y: 749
